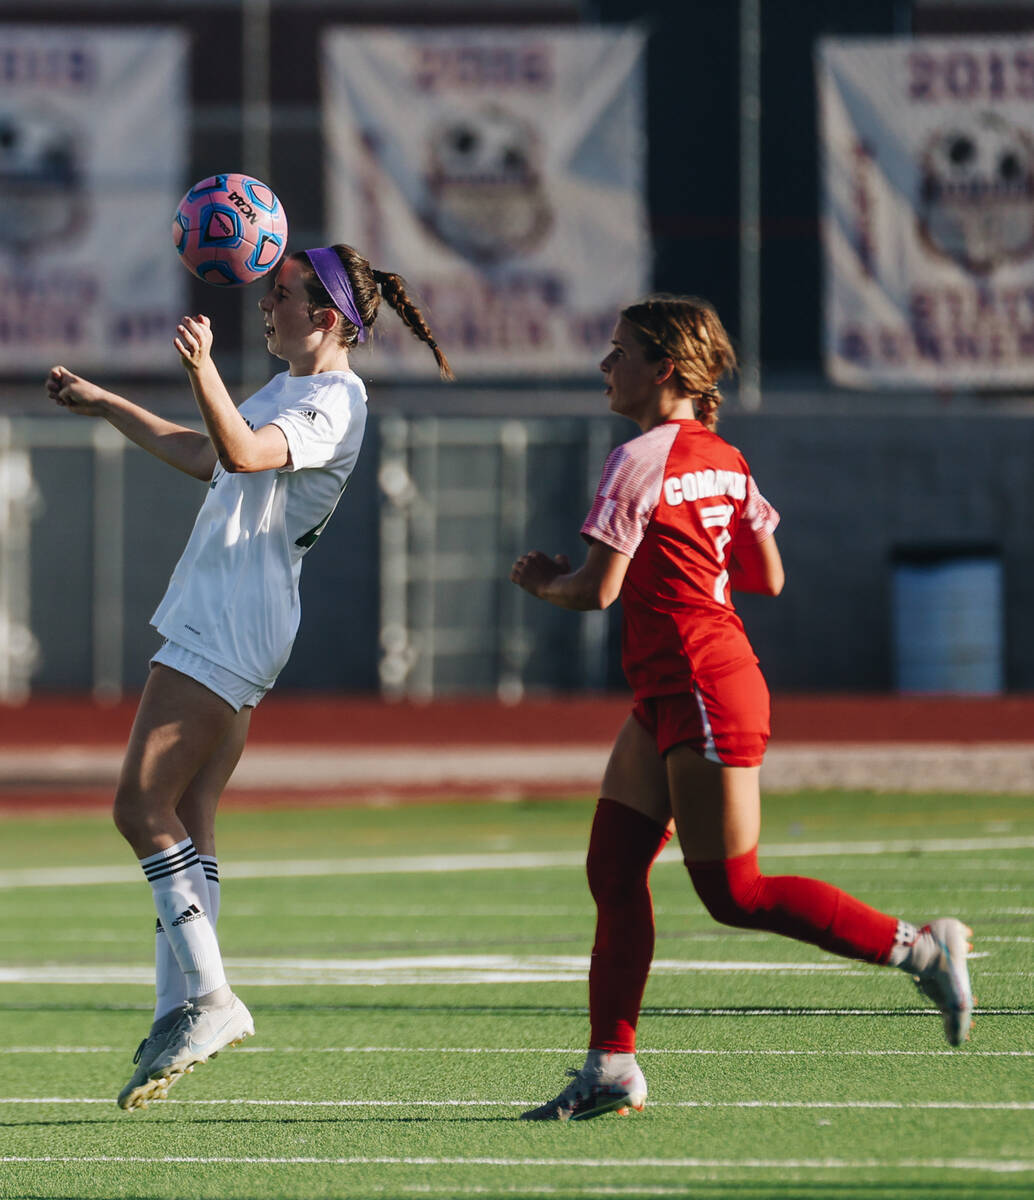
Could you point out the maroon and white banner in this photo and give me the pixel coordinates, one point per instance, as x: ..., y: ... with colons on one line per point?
x: 928, y: 210
x: 93, y: 141
x: 502, y: 172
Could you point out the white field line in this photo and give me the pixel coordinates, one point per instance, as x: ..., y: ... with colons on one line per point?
x: 445, y: 863
x: 968, y: 1053
x: 716, y: 933
x: 824, y: 1012
x: 991, y: 1165
x: 432, y: 969
x: 420, y: 970
x: 721, y: 935
x: 963, y: 1105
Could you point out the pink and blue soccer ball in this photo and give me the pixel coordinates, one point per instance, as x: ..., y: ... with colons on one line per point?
x: 230, y: 230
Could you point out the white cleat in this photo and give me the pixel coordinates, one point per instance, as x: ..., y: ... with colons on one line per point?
x: 142, y: 1088
x: 946, y: 980
x: 593, y: 1092
x: 199, y: 1035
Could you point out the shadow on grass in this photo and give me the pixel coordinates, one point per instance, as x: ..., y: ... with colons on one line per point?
x: 351, y: 1117
x: 537, y: 1010
x: 347, y: 1117
x: 502, y: 1007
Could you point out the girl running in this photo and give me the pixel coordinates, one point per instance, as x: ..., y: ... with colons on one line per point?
x: 677, y: 524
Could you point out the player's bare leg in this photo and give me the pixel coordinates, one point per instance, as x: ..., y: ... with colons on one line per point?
x: 184, y: 743
x: 200, y: 800
x: 635, y: 774
x: 197, y: 811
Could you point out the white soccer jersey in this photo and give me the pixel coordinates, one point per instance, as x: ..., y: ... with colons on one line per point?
x: 233, y: 596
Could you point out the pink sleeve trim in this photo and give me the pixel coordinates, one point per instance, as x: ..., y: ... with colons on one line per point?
x: 630, y: 490
x: 759, y: 517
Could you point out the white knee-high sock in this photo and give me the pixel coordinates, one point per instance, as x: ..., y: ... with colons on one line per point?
x: 170, y: 984
x: 181, y: 897
x: 210, y: 865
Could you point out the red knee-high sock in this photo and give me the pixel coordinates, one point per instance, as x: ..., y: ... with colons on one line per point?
x: 622, y: 848
x: 736, y: 893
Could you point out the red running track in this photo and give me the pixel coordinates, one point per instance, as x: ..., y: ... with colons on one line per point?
x: 335, y: 720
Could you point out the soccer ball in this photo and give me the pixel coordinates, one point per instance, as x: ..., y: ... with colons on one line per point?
x: 230, y: 230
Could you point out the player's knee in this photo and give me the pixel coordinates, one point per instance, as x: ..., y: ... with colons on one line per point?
x: 124, y: 814
x: 729, y: 889
x: 134, y: 818
x: 130, y: 825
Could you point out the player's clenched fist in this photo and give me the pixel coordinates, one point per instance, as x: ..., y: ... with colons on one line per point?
x: 532, y: 571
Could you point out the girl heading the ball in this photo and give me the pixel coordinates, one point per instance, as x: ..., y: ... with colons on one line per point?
x: 275, y: 468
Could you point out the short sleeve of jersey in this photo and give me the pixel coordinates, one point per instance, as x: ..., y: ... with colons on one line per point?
x: 317, y: 423
x: 759, y: 519
x: 629, y: 490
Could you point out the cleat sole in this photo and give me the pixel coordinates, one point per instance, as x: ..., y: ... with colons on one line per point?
x: 619, y: 1106
x: 154, y: 1089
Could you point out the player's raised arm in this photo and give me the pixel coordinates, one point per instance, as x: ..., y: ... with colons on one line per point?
x: 239, y: 447
x: 185, y: 449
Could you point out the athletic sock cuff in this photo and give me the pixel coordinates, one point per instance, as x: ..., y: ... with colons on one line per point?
x: 210, y: 866
x: 180, y: 857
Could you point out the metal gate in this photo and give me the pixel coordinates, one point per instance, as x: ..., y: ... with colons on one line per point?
x: 461, y: 499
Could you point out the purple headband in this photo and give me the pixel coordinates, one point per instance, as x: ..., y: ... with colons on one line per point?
x: 334, y: 278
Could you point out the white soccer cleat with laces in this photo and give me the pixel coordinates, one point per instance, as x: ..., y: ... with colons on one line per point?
x: 141, y: 1088
x: 945, y: 980
x: 615, y: 1085
x: 199, y: 1035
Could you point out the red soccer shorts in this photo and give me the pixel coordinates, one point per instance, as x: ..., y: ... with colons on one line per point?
x: 726, y: 720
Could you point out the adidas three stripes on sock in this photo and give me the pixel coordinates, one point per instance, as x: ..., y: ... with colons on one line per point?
x: 183, y: 900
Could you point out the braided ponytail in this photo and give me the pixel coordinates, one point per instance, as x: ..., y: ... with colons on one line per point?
x: 393, y: 290
x: 368, y: 286
x: 705, y: 405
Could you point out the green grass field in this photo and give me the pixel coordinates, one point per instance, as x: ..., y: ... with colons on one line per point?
x: 417, y: 976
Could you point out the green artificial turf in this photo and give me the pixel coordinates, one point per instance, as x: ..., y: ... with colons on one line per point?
x: 417, y: 980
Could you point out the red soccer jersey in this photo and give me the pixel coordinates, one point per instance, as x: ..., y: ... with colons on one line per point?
x: 675, y: 500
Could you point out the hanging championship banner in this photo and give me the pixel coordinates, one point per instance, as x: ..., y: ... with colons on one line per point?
x: 93, y: 127
x: 928, y: 210
x: 501, y: 172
